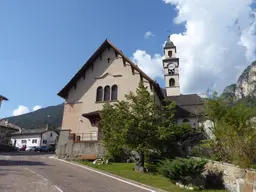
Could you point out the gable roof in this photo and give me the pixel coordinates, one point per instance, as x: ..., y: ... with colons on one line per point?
x: 32, y: 131
x: 64, y: 92
x: 188, y: 105
x: 4, y: 123
x: 191, y: 99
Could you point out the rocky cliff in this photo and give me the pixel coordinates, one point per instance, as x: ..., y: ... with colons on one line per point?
x: 245, y: 86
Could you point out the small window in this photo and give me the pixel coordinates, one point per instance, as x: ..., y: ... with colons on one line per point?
x: 23, y: 141
x: 44, y: 141
x: 51, y: 135
x: 99, y: 94
x: 107, y: 93
x: 170, y: 53
x: 34, y: 141
x: 171, y: 82
x: 114, y: 92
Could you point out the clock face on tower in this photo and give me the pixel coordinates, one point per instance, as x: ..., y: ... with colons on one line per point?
x: 171, y: 68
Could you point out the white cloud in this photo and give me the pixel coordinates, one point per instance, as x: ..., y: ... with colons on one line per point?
x: 20, y: 110
x: 152, y: 66
x: 36, y: 107
x: 148, y: 34
x: 218, y: 43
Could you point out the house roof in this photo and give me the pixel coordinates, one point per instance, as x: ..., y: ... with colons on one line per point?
x: 3, y: 98
x: 6, y: 124
x: 31, y: 131
x: 191, y: 99
x: 64, y: 92
x: 188, y: 105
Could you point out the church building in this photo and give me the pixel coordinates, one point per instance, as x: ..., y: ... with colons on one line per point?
x: 107, y: 76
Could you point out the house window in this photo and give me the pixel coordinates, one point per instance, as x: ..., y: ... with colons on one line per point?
x: 170, y: 53
x: 34, y: 141
x: 107, y: 93
x: 171, y: 82
x: 114, y: 92
x: 44, y: 141
x: 51, y: 135
x: 23, y: 141
x: 99, y: 94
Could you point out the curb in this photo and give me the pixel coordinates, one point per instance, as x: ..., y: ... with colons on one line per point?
x: 116, y: 177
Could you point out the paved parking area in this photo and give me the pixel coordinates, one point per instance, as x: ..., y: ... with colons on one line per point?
x: 35, y: 172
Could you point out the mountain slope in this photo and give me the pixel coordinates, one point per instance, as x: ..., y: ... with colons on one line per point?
x: 245, y: 88
x: 38, y: 119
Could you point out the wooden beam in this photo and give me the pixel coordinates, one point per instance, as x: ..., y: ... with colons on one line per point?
x: 141, y: 77
x: 132, y: 70
x: 124, y: 62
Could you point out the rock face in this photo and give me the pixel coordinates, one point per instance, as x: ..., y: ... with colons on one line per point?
x: 245, y: 86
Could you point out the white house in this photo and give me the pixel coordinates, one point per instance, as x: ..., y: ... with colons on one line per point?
x: 34, y: 137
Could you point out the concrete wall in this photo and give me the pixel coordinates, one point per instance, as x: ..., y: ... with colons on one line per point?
x: 235, y: 178
x: 67, y: 148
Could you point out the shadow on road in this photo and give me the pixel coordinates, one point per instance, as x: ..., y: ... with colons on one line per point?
x: 21, y: 163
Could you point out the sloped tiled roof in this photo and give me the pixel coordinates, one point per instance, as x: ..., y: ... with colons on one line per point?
x: 31, y: 131
x: 64, y: 92
x: 6, y: 124
x: 191, y: 99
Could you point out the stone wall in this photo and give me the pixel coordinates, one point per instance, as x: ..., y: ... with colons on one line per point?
x: 235, y: 179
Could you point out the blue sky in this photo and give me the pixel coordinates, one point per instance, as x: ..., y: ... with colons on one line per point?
x: 44, y: 43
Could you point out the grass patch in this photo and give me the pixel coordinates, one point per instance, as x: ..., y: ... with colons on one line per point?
x: 126, y: 170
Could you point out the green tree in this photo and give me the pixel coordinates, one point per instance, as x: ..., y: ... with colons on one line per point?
x: 234, y: 131
x: 133, y: 124
x: 139, y: 124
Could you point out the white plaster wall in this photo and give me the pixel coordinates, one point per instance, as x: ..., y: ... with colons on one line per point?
x: 50, y: 137
x: 28, y: 139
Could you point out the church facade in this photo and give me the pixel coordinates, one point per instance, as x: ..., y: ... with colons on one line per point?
x: 107, y: 76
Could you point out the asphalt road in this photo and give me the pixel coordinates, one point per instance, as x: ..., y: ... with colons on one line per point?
x: 35, y: 172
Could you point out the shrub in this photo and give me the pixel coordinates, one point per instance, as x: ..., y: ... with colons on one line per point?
x: 214, y: 180
x: 182, y: 170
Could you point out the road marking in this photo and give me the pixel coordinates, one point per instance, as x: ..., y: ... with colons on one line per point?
x: 47, y: 180
x: 105, y: 174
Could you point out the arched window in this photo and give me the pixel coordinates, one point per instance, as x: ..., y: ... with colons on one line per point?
x: 114, y: 92
x: 185, y: 121
x: 107, y: 93
x: 170, y: 53
x: 171, y: 82
x: 99, y: 94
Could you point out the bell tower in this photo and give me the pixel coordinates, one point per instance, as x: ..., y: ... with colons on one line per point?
x: 171, y: 69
